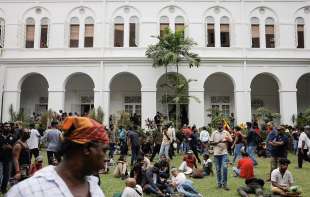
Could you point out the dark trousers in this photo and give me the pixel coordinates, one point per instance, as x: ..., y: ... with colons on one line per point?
x: 123, y: 147
x: 35, y: 152
x: 112, y: 149
x: 156, y: 150
x: 53, y: 155
x: 302, y: 157
x: 6, y: 175
x: 194, y: 149
x: 134, y: 153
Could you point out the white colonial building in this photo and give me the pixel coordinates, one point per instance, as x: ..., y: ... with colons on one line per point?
x: 72, y: 55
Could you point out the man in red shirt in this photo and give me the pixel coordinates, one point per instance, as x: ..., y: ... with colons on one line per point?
x: 189, y: 162
x: 245, y: 167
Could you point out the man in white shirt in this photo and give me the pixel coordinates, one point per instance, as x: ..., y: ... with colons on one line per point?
x: 33, y: 141
x: 204, y: 138
x: 132, y: 189
x: 84, y: 152
x: 281, y: 178
x: 167, y: 140
x: 219, y: 139
x: 182, y: 184
x: 303, y: 143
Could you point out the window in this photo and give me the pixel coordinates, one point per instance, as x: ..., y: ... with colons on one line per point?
x: 74, y: 33
x: 44, y: 33
x: 30, y: 28
x: 179, y: 24
x: 300, y: 33
x: 132, y: 104
x: 221, y: 104
x: 119, y: 32
x: 89, y: 32
x: 269, y: 33
x: 2, y: 32
x: 255, y: 33
x: 210, y: 32
x: 224, y: 29
x: 133, y: 25
x: 164, y: 24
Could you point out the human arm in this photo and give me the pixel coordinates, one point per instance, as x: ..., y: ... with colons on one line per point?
x: 275, y: 184
x: 16, y: 154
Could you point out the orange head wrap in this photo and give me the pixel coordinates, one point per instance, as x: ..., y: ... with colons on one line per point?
x: 83, y: 130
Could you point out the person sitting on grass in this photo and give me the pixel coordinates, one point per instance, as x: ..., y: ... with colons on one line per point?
x: 282, y: 180
x: 164, y: 166
x: 189, y: 162
x: 183, y: 185
x: 245, y: 167
x: 132, y: 189
x: 253, y: 186
x: 207, y: 165
x: 152, y: 183
x: 121, y: 168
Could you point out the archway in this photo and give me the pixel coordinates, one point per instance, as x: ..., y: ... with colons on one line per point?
x: 167, y: 96
x: 126, y: 96
x: 303, y: 93
x: 79, y: 94
x: 219, y: 96
x: 34, y: 94
x: 265, y: 93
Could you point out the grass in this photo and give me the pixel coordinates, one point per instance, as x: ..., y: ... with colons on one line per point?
x: 207, y: 185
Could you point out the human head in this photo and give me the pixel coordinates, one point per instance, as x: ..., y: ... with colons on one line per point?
x: 24, y: 134
x: 307, y: 129
x: 6, y: 127
x: 85, y: 143
x: 189, y: 152
x: 237, y: 128
x: 280, y: 129
x: 130, y: 182
x: 206, y: 156
x: 39, y: 161
x: 163, y: 157
x: 269, y: 125
x: 283, y: 164
x: 204, y: 128
x: 244, y: 154
x: 174, y: 171
x: 54, y: 124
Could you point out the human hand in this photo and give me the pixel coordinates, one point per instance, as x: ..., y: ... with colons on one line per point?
x: 18, y: 176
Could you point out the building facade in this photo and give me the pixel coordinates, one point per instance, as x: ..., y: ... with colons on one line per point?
x: 73, y: 55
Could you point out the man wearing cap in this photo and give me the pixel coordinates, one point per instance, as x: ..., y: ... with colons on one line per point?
x: 84, y: 150
x: 303, y: 147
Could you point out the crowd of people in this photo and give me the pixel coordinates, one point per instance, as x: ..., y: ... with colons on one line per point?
x: 79, y: 149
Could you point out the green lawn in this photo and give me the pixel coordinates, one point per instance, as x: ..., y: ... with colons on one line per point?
x: 207, y: 185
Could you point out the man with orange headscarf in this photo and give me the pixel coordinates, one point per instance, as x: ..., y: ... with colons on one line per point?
x: 84, y: 147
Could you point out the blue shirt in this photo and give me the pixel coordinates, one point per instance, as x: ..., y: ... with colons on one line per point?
x: 280, y: 151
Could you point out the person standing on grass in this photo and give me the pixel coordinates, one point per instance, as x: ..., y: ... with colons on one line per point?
x: 53, y: 141
x: 84, y: 151
x: 204, y: 138
x: 219, y: 139
x: 33, y: 141
x: 302, y: 146
x: 167, y: 140
x: 238, y: 143
x: 133, y: 141
x: 278, y: 148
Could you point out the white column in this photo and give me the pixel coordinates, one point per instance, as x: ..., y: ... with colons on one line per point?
x: 10, y: 98
x: 37, y: 35
x: 148, y: 105
x: 56, y: 100
x: 196, y: 110
x: 307, y: 33
x: 243, y: 106
x: 98, y: 98
x: 81, y: 34
x: 106, y: 106
x: 217, y: 29
x: 288, y: 105
x: 262, y: 36
x: 126, y: 34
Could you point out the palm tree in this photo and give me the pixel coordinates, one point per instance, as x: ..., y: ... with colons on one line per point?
x: 173, y: 49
